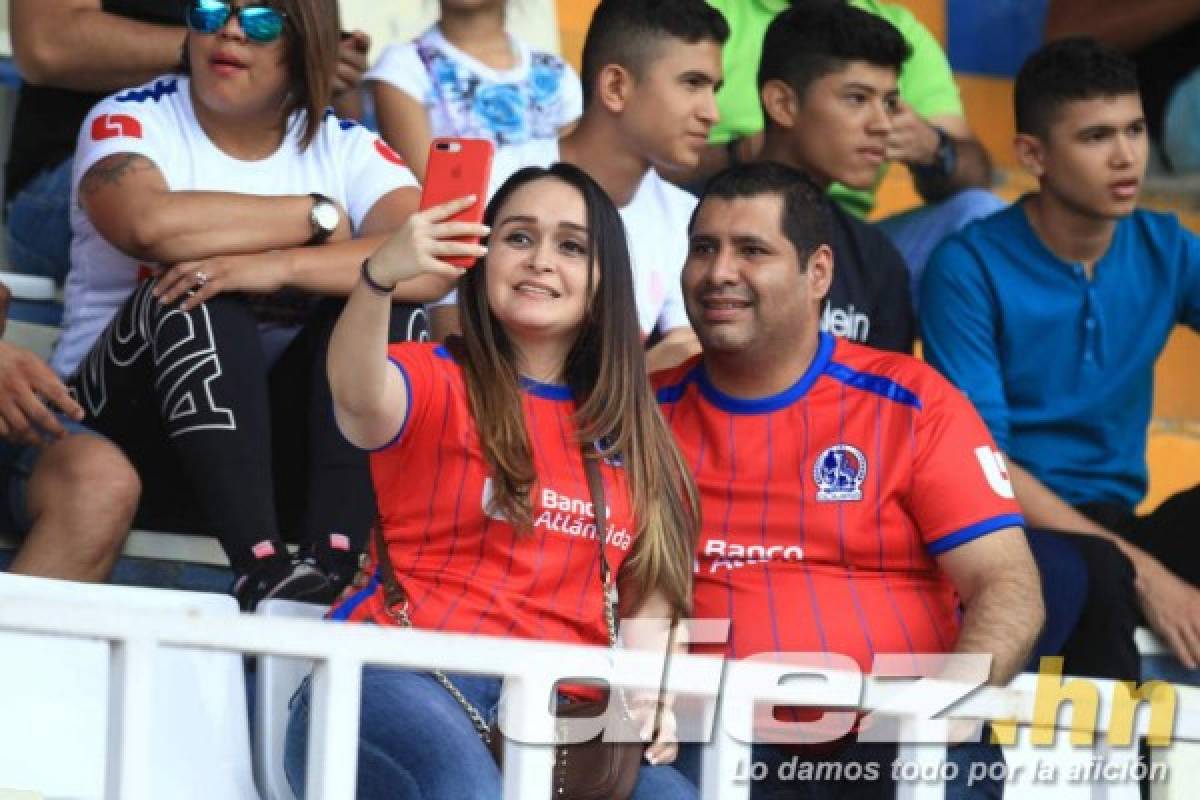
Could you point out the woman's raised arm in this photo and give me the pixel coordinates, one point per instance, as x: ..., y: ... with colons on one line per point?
x: 369, y: 396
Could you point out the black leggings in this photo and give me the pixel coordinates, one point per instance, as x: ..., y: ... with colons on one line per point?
x: 223, y: 444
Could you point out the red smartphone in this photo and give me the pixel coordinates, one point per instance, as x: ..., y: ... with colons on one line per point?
x: 456, y: 168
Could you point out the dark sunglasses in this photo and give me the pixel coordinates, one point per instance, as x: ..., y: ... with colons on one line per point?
x: 260, y: 23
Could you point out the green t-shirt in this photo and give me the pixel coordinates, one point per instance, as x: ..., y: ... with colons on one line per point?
x: 926, y: 81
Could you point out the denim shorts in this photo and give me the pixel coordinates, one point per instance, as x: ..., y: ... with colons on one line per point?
x: 16, y: 465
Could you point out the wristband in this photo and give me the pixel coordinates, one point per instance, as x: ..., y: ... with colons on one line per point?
x: 375, y: 287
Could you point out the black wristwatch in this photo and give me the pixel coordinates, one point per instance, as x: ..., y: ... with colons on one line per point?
x: 323, y: 217
x: 945, y: 158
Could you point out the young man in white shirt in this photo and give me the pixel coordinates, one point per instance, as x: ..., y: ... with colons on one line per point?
x: 650, y: 75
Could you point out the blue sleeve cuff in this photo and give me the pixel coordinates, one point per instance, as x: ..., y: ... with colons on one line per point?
x: 407, y: 408
x: 973, y: 532
x: 342, y: 611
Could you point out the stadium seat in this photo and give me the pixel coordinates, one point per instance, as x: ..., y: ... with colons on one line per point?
x: 277, y: 680
x: 54, y: 695
x: 34, y: 301
x: 33, y: 313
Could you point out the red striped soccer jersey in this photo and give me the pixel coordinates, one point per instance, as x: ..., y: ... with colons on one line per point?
x: 463, y: 569
x: 824, y: 506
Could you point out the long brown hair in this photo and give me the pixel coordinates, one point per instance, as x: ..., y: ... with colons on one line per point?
x: 312, y: 33
x: 615, y: 407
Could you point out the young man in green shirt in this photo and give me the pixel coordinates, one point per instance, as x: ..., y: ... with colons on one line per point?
x: 929, y: 134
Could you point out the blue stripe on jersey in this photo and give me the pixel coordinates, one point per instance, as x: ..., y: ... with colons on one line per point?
x: 512, y: 549
x: 538, y: 468
x: 762, y: 535
x: 862, y: 617
x: 159, y: 90
x: 803, y: 470
x: 342, y: 612
x: 816, y: 605
x: 452, y: 606
x: 943, y: 645
x: 841, y: 507
x: 876, y: 384
x: 568, y: 445
x: 407, y: 408
x: 441, y: 352
x: 912, y: 457
x: 880, y: 463
x: 725, y: 532
x: 462, y: 482
x: 775, y: 402
x: 593, y: 563
x: 437, y: 481
x: 971, y: 532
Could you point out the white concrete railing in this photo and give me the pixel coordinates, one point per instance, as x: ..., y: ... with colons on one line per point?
x: 340, y: 651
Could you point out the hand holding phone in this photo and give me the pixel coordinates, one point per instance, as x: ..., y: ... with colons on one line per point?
x: 457, y: 168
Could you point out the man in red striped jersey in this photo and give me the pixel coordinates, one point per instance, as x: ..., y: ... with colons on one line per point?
x: 853, y: 501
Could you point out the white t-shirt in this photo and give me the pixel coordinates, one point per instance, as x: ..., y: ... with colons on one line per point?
x: 520, y: 110
x: 345, y: 162
x: 656, y: 222
x: 656, y: 229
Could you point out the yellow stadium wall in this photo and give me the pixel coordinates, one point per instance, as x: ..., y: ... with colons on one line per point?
x: 573, y: 19
x: 1174, y: 451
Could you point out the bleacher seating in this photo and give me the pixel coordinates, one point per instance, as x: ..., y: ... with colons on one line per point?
x: 57, y: 718
x: 5, y: 38
x: 175, y: 717
x: 277, y: 679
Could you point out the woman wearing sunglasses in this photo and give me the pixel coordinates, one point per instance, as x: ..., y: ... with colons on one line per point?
x: 212, y: 211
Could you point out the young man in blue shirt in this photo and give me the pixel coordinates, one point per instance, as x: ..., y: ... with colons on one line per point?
x: 1050, y: 316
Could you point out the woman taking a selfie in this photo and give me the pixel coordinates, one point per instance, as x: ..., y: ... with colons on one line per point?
x: 481, y: 469
x: 212, y: 209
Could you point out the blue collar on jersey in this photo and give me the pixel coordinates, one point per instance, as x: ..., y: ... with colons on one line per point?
x: 774, y: 402
x: 546, y: 391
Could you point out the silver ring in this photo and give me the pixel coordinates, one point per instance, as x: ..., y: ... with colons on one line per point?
x: 201, y: 279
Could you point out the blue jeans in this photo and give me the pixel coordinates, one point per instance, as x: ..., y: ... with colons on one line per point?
x: 916, y: 233
x: 1064, y: 576
x: 39, y: 225
x: 417, y: 743
x: 783, y: 772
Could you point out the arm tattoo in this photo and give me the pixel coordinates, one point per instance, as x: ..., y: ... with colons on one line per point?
x: 111, y: 170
